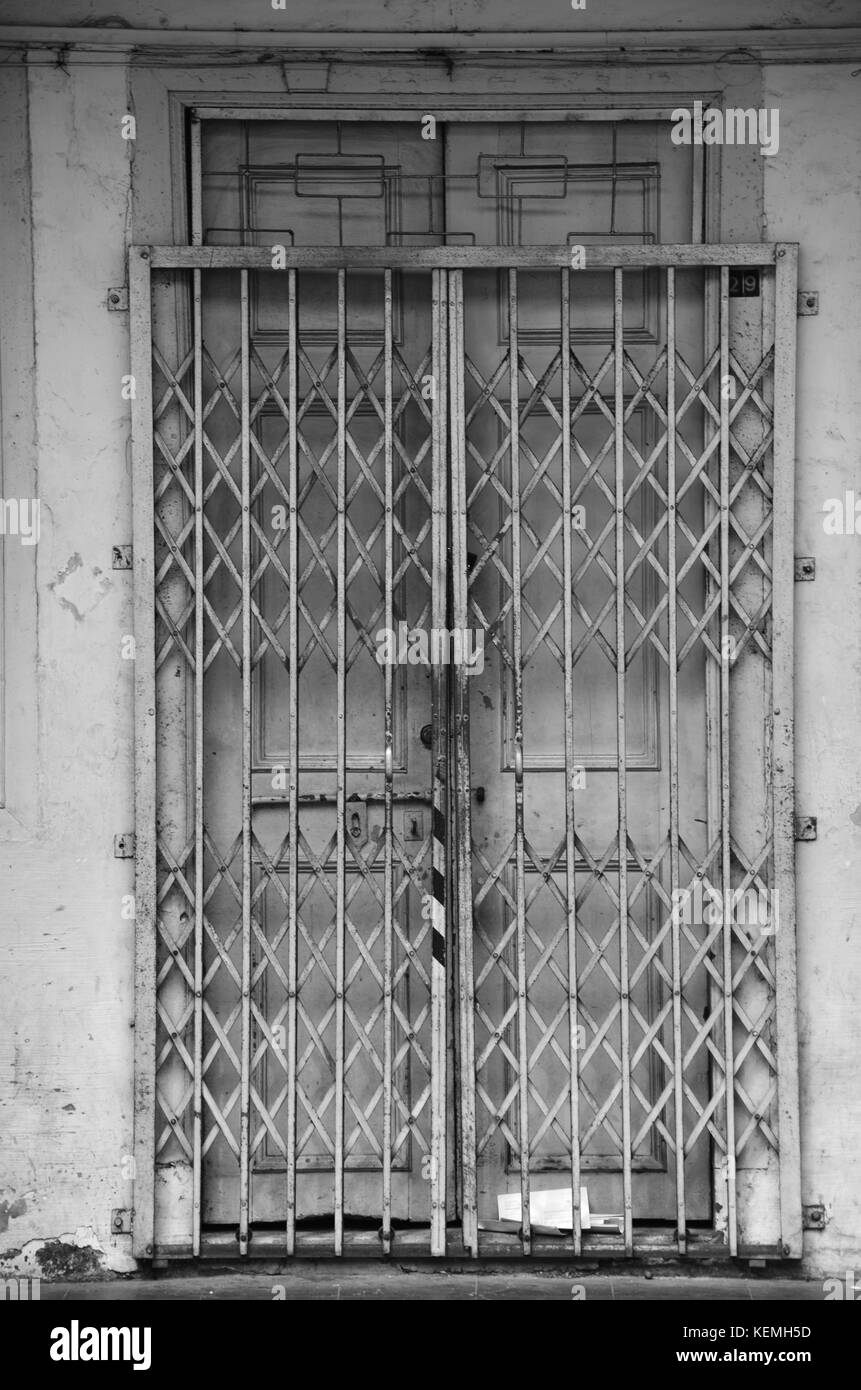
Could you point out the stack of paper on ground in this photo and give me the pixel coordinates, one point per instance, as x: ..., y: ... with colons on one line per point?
x: 553, y: 1208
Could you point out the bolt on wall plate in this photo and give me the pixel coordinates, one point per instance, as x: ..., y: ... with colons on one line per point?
x: 805, y: 828
x: 121, y: 557
x: 813, y: 1217
x: 808, y: 302
x: 121, y: 1221
x: 805, y: 569
x: 124, y: 846
x: 118, y: 299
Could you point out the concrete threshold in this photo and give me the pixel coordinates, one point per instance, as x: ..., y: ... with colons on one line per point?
x: 323, y: 1280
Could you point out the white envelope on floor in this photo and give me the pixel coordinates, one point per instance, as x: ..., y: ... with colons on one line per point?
x: 553, y: 1208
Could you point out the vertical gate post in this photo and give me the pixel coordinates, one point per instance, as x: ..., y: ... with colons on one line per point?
x: 726, y: 853
x: 673, y: 712
x: 245, y: 1005
x: 439, y: 836
x: 293, y: 789
x: 341, y: 770
x: 621, y: 749
x: 462, y: 819
x: 783, y: 597
x: 140, y: 317
x: 570, y: 817
x: 388, y: 734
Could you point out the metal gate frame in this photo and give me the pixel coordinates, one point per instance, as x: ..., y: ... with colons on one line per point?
x: 448, y: 265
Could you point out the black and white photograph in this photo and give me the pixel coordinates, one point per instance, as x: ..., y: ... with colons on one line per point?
x: 430, y: 674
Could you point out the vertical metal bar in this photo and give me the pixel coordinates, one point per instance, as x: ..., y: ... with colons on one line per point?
x: 783, y: 911
x: 726, y: 861
x: 245, y: 1008
x: 570, y: 853
x: 388, y: 886
x: 460, y: 617
x: 672, y: 651
x: 519, y: 865
x: 341, y: 763
x: 140, y: 322
x: 621, y: 748
x: 293, y: 788
x: 199, y: 887
x: 711, y: 597
x: 196, y: 182
x: 197, y: 1049
x: 439, y: 838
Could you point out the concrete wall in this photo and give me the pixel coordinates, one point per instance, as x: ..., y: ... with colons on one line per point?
x: 813, y: 196
x: 65, y: 949
x: 66, y: 1044
x: 441, y: 16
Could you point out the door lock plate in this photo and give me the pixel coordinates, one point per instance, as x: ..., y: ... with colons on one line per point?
x: 357, y: 823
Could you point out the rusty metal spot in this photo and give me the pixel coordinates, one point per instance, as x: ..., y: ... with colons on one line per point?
x: 805, y: 828
x: 805, y: 569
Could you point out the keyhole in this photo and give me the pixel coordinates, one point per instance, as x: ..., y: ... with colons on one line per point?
x: 414, y: 827
x: 355, y: 825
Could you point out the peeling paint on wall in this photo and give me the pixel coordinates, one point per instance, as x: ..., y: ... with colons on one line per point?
x: 80, y: 591
x: 75, y: 1255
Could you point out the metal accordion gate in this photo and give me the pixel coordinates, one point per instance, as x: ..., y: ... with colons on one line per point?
x: 407, y: 939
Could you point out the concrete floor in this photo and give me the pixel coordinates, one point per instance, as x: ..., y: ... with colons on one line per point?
x: 323, y: 1280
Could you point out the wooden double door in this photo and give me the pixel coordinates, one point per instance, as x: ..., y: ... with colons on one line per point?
x: 417, y: 448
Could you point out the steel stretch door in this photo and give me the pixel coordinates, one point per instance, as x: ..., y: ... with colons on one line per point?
x: 617, y: 523
x: 623, y: 819
x: 301, y: 514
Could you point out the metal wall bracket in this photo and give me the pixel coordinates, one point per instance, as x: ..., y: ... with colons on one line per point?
x: 808, y: 302
x: 121, y: 1221
x: 805, y: 569
x: 121, y: 557
x: 813, y: 1217
x: 118, y: 299
x: 124, y: 846
x: 805, y: 828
